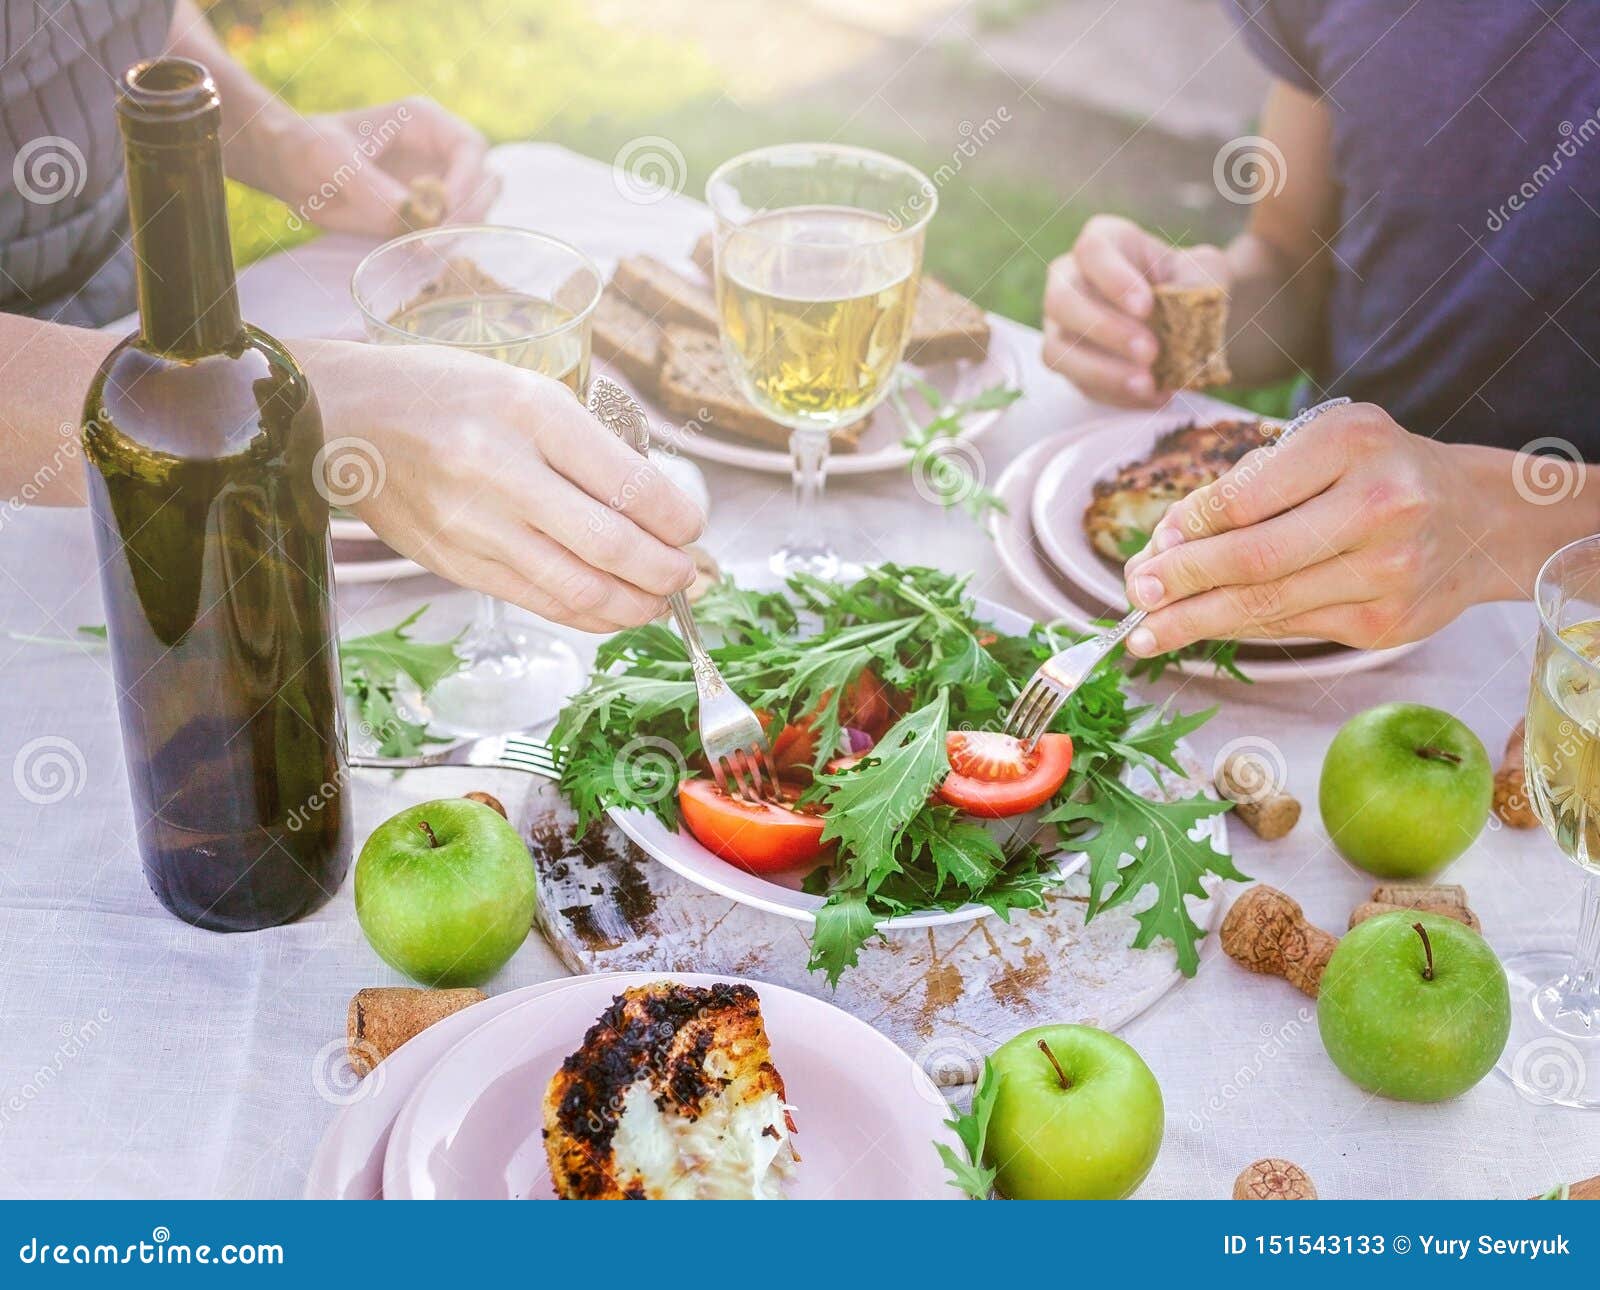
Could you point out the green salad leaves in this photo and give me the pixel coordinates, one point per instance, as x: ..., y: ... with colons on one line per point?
x: 791, y: 654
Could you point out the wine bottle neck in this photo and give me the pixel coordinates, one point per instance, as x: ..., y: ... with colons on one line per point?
x: 188, y: 299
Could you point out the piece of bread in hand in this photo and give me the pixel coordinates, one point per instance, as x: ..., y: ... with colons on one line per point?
x: 628, y: 340
x: 945, y: 326
x: 696, y: 385
x: 1190, y: 324
x: 665, y: 295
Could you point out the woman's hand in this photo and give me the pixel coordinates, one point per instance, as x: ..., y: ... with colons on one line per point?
x: 351, y: 172
x: 1098, y: 297
x: 497, y: 479
x: 1354, y: 531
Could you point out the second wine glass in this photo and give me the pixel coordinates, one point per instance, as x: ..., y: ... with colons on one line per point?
x: 522, y: 298
x: 818, y: 256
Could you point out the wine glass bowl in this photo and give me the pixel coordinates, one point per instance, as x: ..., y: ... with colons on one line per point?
x: 818, y: 255
x: 1553, y: 1054
x: 519, y: 297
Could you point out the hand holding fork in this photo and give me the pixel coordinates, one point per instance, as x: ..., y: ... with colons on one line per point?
x: 734, y: 742
x: 1059, y: 677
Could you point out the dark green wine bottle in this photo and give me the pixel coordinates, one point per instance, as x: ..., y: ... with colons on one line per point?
x: 200, y: 435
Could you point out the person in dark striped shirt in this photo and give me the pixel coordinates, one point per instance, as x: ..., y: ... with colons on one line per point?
x: 496, y: 478
x: 1423, y: 196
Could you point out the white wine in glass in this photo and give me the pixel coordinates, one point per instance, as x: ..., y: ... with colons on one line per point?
x: 818, y: 256
x: 522, y: 298
x: 1553, y: 1054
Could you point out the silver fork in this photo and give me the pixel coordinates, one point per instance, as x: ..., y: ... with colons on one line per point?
x: 508, y: 752
x: 1058, y: 677
x: 733, y: 740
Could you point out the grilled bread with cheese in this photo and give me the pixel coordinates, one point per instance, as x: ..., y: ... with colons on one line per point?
x: 1128, y: 505
x: 673, y: 1096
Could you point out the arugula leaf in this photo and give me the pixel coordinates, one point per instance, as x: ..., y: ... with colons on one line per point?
x: 972, y: 1127
x: 929, y: 441
x: 867, y: 814
x: 844, y: 925
x: 372, y: 666
x: 384, y: 656
x: 1156, y: 837
x: 961, y: 849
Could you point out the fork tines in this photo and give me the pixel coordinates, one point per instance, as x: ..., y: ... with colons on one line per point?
x: 742, y: 765
x: 531, y: 754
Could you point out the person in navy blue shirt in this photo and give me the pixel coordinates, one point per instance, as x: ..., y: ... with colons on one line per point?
x: 1423, y: 237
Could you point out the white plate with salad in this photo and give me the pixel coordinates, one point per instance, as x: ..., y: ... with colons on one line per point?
x: 906, y: 809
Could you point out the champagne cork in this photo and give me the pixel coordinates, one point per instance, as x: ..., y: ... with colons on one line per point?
x: 1266, y: 931
x: 1251, y: 783
x: 1273, y: 1179
x: 1447, y: 899
x: 381, y: 1018
x: 1511, y: 802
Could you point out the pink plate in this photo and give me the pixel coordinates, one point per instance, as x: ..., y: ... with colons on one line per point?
x: 349, y: 1160
x: 868, y: 1117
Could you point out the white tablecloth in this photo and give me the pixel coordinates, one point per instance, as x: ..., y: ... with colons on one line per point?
x: 142, y: 1057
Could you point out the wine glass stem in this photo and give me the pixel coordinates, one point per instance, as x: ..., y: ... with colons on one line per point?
x: 1580, y: 989
x: 488, y: 622
x: 808, y: 452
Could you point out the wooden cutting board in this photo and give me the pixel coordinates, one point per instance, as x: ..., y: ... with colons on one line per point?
x: 947, y: 995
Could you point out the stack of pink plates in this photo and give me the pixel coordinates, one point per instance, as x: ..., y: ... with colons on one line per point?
x: 1041, y: 540
x: 457, y: 1112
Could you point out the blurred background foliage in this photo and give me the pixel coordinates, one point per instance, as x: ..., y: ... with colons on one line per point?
x: 719, y: 76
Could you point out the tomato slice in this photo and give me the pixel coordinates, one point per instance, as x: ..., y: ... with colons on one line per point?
x: 759, y: 837
x: 991, y: 776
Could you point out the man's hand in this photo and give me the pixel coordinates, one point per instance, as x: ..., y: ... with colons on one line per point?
x: 1354, y: 531
x: 1098, y: 297
x: 499, y: 480
x: 351, y: 171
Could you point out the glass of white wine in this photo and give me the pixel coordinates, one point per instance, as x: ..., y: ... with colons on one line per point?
x: 522, y: 298
x: 818, y: 255
x: 1553, y: 1053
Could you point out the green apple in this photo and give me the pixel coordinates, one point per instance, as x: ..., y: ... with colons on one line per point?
x: 1405, y: 789
x: 444, y: 892
x: 1415, y: 1015
x: 1077, y: 1116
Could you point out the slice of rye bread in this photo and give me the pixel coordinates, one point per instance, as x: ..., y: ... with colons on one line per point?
x: 945, y: 326
x: 627, y: 339
x: 695, y: 384
x: 1190, y: 324
x: 664, y: 294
